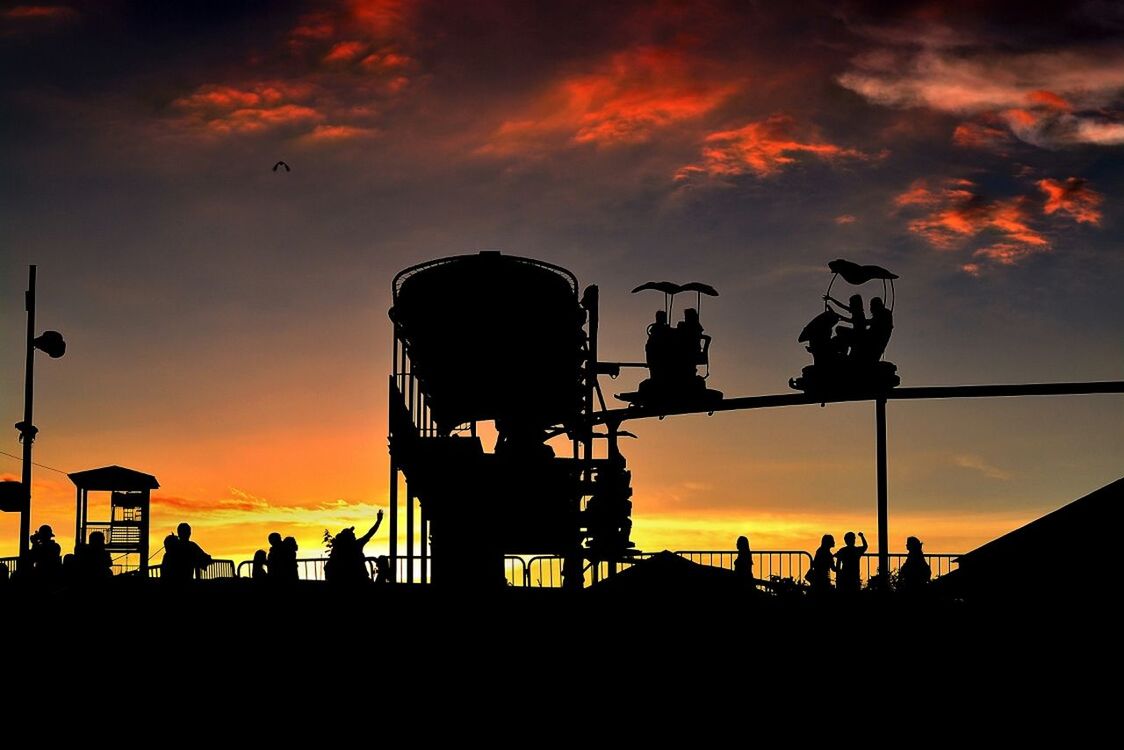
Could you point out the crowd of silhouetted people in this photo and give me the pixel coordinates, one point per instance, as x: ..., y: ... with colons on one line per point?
x: 845, y: 565
x: 184, y: 560
x: 346, y: 563
x: 90, y: 562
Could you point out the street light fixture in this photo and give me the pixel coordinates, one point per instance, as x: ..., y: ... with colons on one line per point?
x: 53, y: 345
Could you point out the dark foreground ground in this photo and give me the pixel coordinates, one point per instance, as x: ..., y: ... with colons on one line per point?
x: 522, y: 627
x: 274, y: 656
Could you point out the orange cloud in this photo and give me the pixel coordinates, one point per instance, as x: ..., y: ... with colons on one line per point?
x: 763, y: 148
x: 845, y: 219
x: 625, y: 98
x: 959, y: 218
x: 345, y: 52
x: 241, y: 503
x: 381, y: 18
x: 314, y: 27
x: 955, y: 214
x: 1005, y: 253
x: 41, y: 12
x: 979, y: 135
x: 1021, y: 118
x: 1049, y: 99
x: 350, y: 50
x: 258, y: 107
x: 385, y: 61
x: 337, y: 133
x: 1072, y: 198
x: 217, y: 99
x: 918, y: 194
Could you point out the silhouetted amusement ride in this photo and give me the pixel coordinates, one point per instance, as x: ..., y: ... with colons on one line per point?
x: 848, y: 358
x: 524, y: 356
x: 673, y: 355
x: 498, y: 345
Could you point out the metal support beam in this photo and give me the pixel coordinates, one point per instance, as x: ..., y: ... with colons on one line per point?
x: 883, y: 505
x: 393, y: 518
x: 29, y: 434
x: 424, y: 524
x: 897, y: 394
x: 79, y: 522
x: 409, y: 538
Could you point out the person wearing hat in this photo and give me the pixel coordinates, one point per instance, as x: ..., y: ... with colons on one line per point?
x: 45, y: 554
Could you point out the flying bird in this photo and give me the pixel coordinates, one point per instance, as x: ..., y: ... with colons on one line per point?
x: 281, y: 164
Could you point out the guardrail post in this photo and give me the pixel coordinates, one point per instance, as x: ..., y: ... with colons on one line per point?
x: 394, y: 518
x: 409, y: 538
x: 424, y: 543
x: 883, y: 509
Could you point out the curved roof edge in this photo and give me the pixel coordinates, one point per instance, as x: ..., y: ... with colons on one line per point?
x: 406, y: 273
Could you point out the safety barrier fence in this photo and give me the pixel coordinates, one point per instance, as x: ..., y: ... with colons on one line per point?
x: 215, y: 570
x: 545, y: 571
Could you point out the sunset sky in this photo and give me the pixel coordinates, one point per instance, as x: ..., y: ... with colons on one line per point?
x: 227, y: 324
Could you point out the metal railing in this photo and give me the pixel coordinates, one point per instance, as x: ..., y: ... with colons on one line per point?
x: 514, y: 567
x: 116, y: 532
x: 939, y: 564
x: 784, y: 563
x: 11, y: 562
x: 215, y: 570
x: 308, y: 568
x: 545, y: 571
x: 312, y: 569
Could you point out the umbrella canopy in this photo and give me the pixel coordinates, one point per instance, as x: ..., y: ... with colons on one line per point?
x: 853, y: 273
x: 670, y: 287
x: 701, y: 288
x: 667, y: 287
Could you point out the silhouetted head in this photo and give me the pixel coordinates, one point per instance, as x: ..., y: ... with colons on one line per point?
x: 877, y: 305
x: 913, y: 544
x: 184, y: 531
x: 274, y: 539
x: 346, y: 536
x: 849, y: 539
x: 46, y: 532
x: 170, y: 541
x: 382, y: 563
x: 827, y: 541
x: 743, y: 544
x: 856, y: 302
x: 291, y: 543
x: 691, y: 315
x: 97, y: 539
x: 661, y: 317
x: 260, y: 557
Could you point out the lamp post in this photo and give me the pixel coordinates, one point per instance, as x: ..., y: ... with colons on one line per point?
x: 52, y: 343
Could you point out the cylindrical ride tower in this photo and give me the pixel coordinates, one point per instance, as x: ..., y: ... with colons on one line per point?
x: 489, y: 338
